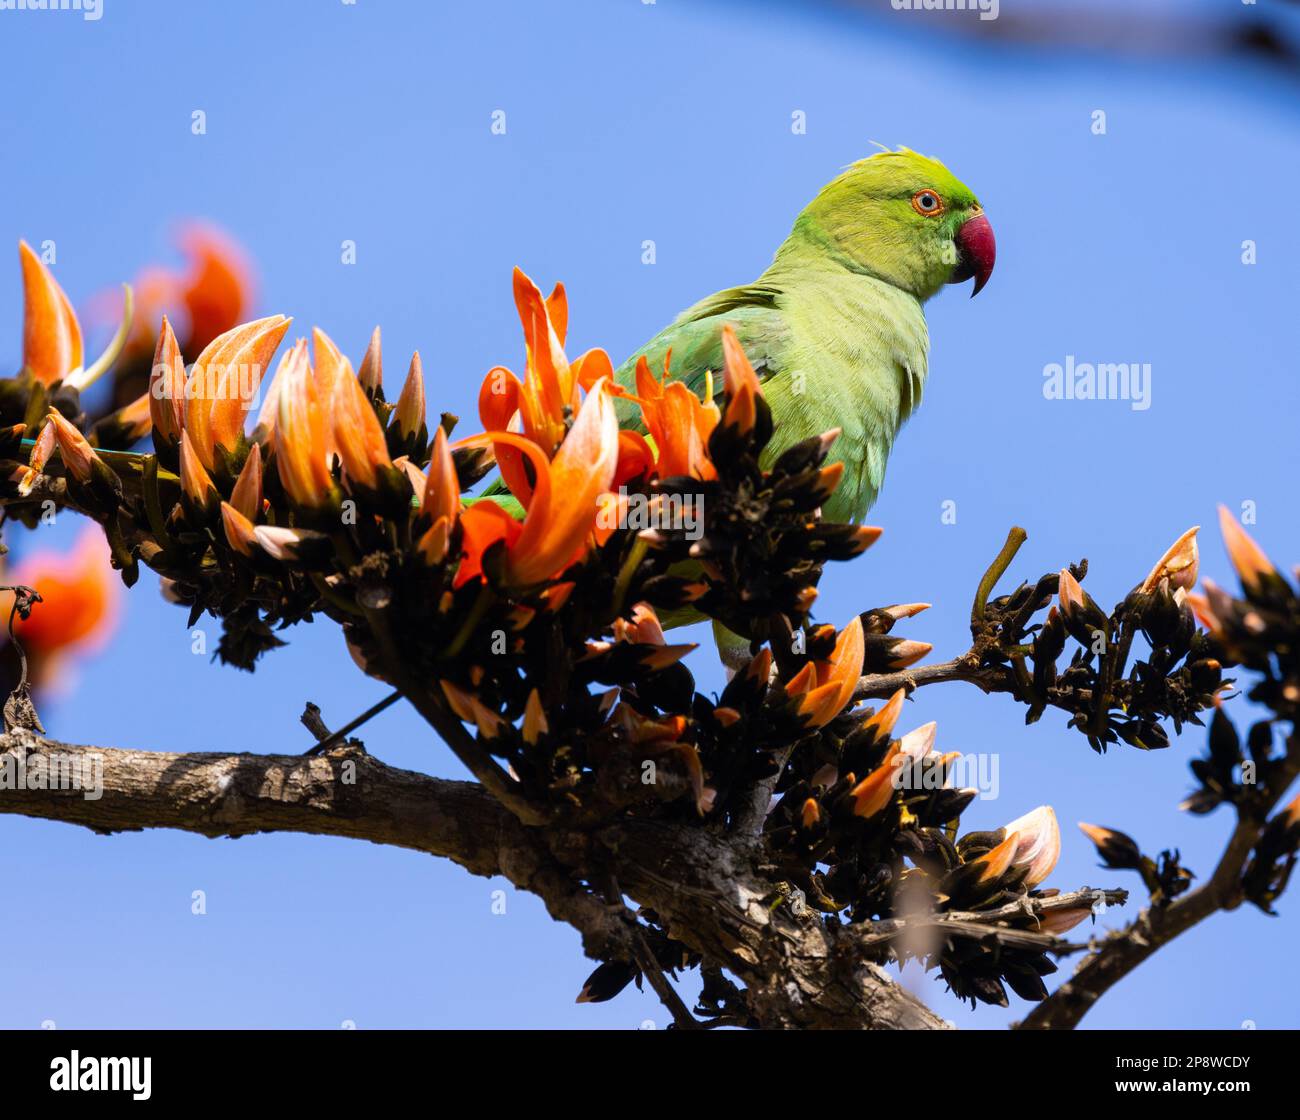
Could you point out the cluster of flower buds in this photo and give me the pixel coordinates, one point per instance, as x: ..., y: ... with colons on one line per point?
x: 1258, y: 629
x: 1108, y: 699
x: 1259, y: 632
x: 1165, y: 878
x: 867, y: 826
x: 1271, y: 863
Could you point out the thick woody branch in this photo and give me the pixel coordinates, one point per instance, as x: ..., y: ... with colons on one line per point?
x: 708, y: 889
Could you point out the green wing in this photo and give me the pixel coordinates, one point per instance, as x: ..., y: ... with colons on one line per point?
x: 695, y: 338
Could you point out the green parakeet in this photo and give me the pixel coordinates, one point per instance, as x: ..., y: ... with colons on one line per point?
x: 835, y: 326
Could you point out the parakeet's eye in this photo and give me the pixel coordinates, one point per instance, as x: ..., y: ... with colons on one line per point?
x: 927, y: 203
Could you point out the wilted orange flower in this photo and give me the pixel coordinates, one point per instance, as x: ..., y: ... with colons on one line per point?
x: 1178, y: 565
x: 80, y: 596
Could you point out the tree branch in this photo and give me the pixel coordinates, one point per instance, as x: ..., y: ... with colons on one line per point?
x: 707, y: 889
x: 1156, y: 926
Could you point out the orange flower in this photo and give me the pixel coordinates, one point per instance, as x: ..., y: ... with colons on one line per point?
x: 52, y: 346
x: 80, y: 597
x: 136, y: 418
x: 247, y: 494
x: 825, y: 688
x: 214, y: 295
x: 876, y: 790
x: 240, y: 531
x: 482, y: 525
x: 678, y: 421
x: 563, y: 507
x: 196, y: 484
x: 301, y: 447
x: 51, y: 334
x: 218, y: 290
x: 371, y: 373
x: 222, y: 382
x: 78, y: 456
x: 1178, y: 565
x: 441, y: 496
x: 1038, y: 843
x: 548, y: 396
x: 742, y: 384
x: 440, y: 500
x: 408, y: 413
x: 167, y: 386
x: 1253, y: 566
x: 355, y: 432
x: 42, y: 449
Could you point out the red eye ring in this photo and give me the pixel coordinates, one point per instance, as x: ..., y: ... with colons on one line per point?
x: 935, y: 206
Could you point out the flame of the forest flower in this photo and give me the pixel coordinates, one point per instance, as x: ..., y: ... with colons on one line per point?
x: 1252, y: 565
x: 223, y: 381
x: 441, y: 496
x: 1179, y: 564
x: 355, y: 433
x: 1037, y: 843
x: 742, y: 384
x: 824, y: 688
x: 52, y: 346
x: 247, y: 494
x: 136, y: 418
x: 78, y: 456
x: 371, y: 373
x: 301, y: 440
x: 213, y: 295
x: 196, y: 483
x: 408, y: 413
x: 562, y: 509
x: 167, y: 385
x: 80, y: 598
x: 678, y: 421
x: 241, y: 533
x: 42, y: 449
x: 541, y: 405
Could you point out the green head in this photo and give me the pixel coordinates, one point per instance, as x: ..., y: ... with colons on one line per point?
x: 903, y: 218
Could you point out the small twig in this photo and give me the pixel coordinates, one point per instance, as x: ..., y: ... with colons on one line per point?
x: 311, y: 716
x: 982, y: 924
x: 646, y: 962
x: 880, y: 686
x: 24, y: 598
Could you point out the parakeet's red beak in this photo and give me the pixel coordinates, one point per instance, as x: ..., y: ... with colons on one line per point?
x: 978, y: 250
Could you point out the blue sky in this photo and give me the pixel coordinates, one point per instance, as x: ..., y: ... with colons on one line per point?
x: 670, y: 122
